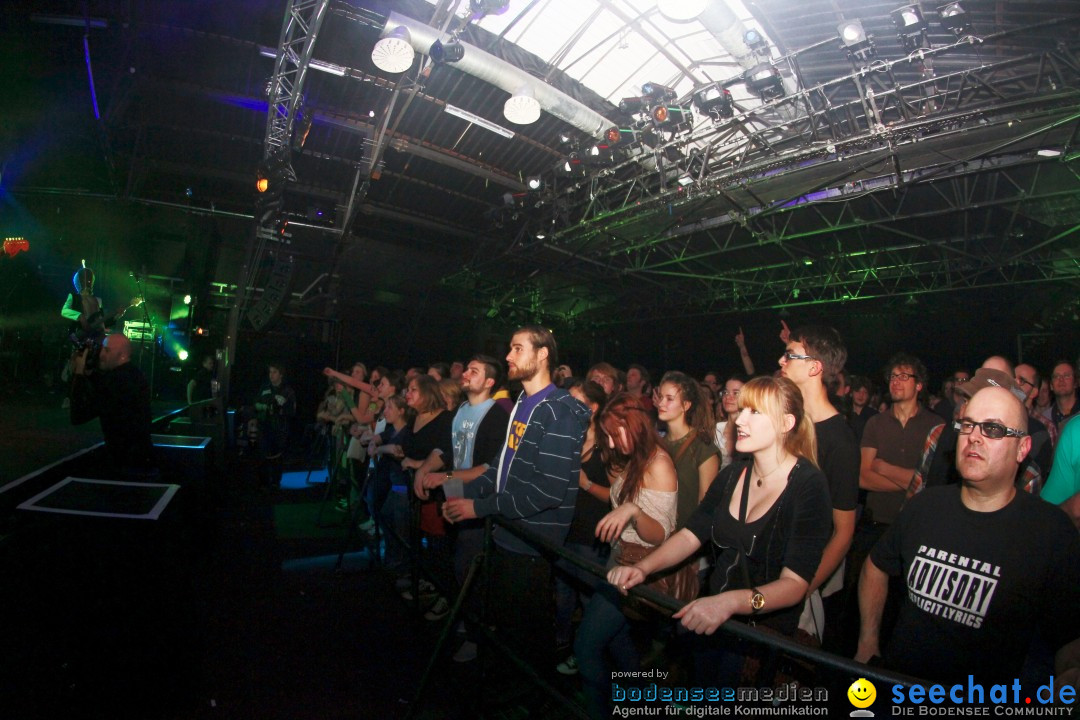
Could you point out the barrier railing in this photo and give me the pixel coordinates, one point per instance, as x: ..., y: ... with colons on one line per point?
x: 820, y: 658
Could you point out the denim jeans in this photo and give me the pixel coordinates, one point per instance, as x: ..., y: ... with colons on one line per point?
x: 570, y: 581
x: 603, y: 630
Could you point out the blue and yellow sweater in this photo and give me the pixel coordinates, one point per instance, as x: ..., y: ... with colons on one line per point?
x: 542, y: 483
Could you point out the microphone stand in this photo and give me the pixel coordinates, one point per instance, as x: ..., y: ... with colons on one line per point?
x: 153, y: 333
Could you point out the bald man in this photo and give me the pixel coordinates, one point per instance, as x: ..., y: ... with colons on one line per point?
x: 986, y: 566
x: 117, y: 393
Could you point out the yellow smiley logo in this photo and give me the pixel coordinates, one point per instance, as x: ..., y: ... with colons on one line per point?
x: 862, y: 693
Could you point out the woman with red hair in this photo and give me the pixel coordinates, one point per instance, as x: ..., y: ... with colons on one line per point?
x: 644, y: 495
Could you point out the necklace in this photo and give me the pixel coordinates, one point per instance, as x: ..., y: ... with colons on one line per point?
x: 761, y: 476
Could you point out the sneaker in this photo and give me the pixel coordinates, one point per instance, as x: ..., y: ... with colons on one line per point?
x: 466, y: 653
x: 427, y: 591
x: 439, y: 610
x: 567, y: 666
x: 367, y: 527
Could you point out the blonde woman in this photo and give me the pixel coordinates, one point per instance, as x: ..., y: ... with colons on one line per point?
x: 767, y: 519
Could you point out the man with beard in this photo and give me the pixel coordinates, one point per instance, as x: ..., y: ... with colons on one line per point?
x: 534, y: 484
x: 986, y: 566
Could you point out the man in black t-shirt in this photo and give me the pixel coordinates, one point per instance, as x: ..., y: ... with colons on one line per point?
x: 985, y: 566
x: 117, y: 393
x: 813, y: 355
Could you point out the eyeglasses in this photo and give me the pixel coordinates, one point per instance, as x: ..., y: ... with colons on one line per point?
x: 902, y: 377
x: 1061, y: 376
x: 794, y: 356
x: 961, y: 379
x: 729, y: 393
x: 1024, y: 381
x: 991, y: 430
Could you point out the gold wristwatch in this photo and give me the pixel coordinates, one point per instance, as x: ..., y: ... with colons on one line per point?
x: 757, y: 601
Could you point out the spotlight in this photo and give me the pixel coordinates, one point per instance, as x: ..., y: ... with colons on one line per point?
x: 656, y: 91
x: 187, y: 299
x: 764, y: 81
x: 522, y: 108
x: 534, y: 182
x: 854, y: 39
x: 451, y: 52
x: 681, y: 10
x: 182, y: 355
x: 634, y: 105
x: 955, y: 19
x: 571, y: 166
x: 671, y: 117
x: 756, y: 42
x: 262, y: 184
x: 599, y: 155
x: 620, y: 136
x: 714, y: 100
x: 394, y: 53
x: 911, y: 26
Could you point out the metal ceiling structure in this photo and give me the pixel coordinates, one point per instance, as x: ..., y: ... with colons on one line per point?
x: 948, y: 167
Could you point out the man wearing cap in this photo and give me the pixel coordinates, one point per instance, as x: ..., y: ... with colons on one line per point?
x: 985, y: 565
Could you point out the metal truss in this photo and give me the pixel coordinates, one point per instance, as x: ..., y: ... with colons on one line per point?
x: 867, y: 108
x: 303, y: 18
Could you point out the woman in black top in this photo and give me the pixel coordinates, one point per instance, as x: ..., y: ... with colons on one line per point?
x: 767, y: 518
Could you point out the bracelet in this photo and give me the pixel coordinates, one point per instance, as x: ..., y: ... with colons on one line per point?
x: 449, y: 475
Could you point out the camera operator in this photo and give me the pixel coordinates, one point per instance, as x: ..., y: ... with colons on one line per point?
x: 116, y: 392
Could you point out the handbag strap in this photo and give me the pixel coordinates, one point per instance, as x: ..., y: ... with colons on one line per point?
x: 742, y: 521
x: 687, y: 441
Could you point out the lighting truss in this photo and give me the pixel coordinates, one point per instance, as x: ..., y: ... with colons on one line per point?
x: 303, y: 19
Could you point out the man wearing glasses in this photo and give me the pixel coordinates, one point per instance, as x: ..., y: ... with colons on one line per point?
x: 892, y: 442
x: 1063, y: 384
x: 814, y: 354
x: 985, y: 565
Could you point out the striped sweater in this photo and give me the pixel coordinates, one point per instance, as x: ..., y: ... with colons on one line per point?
x: 542, y: 483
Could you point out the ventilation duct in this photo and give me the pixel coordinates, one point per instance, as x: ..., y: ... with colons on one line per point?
x: 504, y: 76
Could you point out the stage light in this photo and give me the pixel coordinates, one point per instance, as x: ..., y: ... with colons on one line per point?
x: 670, y: 117
x: 262, y: 184
x: 187, y: 299
x: 523, y: 108
x: 450, y: 52
x: 394, y: 53
x: 620, y: 136
x: 534, y: 182
x: 633, y: 105
x: 756, y: 42
x: 955, y: 19
x: 714, y: 100
x: 911, y: 26
x: 658, y: 92
x: 182, y: 355
x: 854, y: 39
x: 599, y: 154
x: 571, y: 166
x: 764, y: 81
x: 681, y: 10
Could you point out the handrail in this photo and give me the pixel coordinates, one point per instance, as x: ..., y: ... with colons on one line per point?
x: 736, y: 628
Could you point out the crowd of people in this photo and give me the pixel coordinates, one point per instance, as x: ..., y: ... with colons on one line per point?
x: 935, y: 534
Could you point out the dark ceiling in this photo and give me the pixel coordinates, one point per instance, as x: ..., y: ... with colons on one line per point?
x: 905, y: 196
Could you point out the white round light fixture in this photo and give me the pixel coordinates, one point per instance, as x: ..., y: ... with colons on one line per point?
x: 681, y: 10
x: 522, y: 108
x: 394, y: 53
